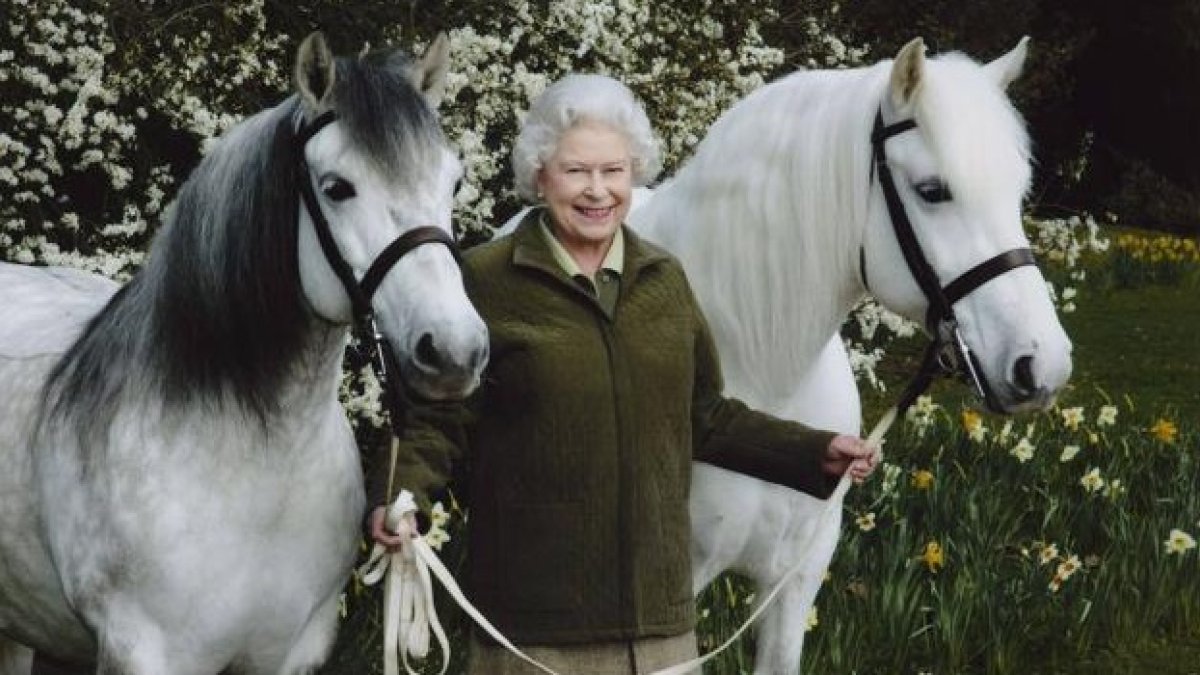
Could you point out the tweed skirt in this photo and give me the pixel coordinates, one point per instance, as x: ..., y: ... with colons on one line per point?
x: 635, y: 657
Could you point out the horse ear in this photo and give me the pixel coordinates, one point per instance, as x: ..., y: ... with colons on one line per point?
x: 429, y: 75
x: 1007, y: 68
x: 315, y: 71
x: 907, y: 71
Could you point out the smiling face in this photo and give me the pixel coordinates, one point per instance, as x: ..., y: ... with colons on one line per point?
x: 588, y: 186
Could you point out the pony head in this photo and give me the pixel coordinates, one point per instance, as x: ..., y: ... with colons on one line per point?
x: 381, y: 169
x: 961, y: 174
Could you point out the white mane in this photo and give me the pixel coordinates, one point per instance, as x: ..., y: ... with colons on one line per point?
x: 740, y: 205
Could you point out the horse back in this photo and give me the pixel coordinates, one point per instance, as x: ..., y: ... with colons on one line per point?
x: 44, y: 309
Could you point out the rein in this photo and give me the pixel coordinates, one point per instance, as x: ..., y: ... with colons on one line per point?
x: 375, y: 346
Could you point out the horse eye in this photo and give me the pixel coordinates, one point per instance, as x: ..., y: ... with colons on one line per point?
x: 933, y: 191
x: 337, y: 189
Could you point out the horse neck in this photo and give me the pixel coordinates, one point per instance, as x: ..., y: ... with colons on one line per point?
x: 767, y: 219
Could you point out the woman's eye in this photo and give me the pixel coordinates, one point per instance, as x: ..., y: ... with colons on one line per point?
x: 934, y: 191
x: 337, y: 189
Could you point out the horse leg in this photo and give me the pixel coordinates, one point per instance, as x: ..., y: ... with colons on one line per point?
x: 782, y: 628
x: 312, y: 647
x: 725, y: 512
x: 131, y: 644
x: 781, y: 631
x: 15, y: 659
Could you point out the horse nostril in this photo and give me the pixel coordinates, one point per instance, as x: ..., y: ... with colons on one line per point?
x: 426, y: 354
x: 1023, y: 375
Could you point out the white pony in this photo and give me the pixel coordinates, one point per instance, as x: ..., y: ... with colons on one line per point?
x: 782, y: 226
x: 181, y: 490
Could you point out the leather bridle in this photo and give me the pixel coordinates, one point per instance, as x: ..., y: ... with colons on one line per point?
x: 372, y: 342
x: 947, y: 352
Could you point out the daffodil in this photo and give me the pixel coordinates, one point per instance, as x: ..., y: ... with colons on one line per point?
x: 891, y: 478
x: 866, y: 522
x: 438, y: 516
x: 973, y: 423
x: 924, y: 405
x: 811, y: 621
x: 1092, y: 481
x: 436, y: 537
x: 1069, y: 566
x: 1023, y: 451
x: 1114, y: 489
x: 922, y: 479
x: 933, y: 557
x: 1048, y: 554
x: 1005, y: 432
x: 1055, y: 584
x: 1179, y: 542
x: 1164, y: 430
x: 1068, y: 453
x: 1107, y: 416
x: 1072, y: 417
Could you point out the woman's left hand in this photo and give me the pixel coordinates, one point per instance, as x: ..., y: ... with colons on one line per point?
x: 850, y: 453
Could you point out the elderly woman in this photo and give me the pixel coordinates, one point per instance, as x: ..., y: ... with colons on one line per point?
x: 603, y: 387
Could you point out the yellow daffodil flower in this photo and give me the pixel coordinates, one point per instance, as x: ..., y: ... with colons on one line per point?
x: 933, y: 557
x: 1164, y: 430
x: 922, y: 479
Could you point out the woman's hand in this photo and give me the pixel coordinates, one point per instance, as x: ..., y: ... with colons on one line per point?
x: 407, y: 529
x: 850, y: 453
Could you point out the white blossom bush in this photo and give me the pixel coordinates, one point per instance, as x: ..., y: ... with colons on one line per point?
x: 687, y: 64
x: 81, y: 115
x: 103, y: 117
x: 1062, y: 245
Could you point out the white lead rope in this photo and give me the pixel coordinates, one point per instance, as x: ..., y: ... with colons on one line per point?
x: 834, y: 501
x: 410, y: 616
x: 408, y: 611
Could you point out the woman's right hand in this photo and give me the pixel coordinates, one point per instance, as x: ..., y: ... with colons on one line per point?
x: 407, y: 529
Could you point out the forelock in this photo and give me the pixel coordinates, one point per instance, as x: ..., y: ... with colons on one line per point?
x: 387, y: 119
x: 975, y: 134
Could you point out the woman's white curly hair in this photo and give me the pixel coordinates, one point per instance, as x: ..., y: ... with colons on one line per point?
x: 567, y: 102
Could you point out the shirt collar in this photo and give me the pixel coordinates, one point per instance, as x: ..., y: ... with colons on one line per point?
x: 614, y: 260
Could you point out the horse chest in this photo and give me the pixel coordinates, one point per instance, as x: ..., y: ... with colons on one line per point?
x: 202, y: 519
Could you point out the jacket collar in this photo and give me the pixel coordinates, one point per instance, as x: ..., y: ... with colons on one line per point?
x: 531, y: 250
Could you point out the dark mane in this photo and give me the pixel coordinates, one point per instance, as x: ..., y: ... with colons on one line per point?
x: 218, y: 310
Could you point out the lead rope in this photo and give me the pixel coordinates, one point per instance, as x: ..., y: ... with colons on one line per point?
x: 409, y: 614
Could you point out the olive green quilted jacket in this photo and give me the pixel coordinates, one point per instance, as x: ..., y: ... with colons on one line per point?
x: 579, y: 443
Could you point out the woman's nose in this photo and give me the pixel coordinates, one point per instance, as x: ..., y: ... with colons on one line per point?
x: 595, y: 184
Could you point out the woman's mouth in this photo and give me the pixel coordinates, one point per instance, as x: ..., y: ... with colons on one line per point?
x: 594, y: 214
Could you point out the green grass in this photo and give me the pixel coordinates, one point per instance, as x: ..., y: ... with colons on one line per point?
x: 1141, y: 343
x: 1144, y: 343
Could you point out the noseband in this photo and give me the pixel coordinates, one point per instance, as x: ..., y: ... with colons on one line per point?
x: 947, y: 352
x: 376, y: 347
